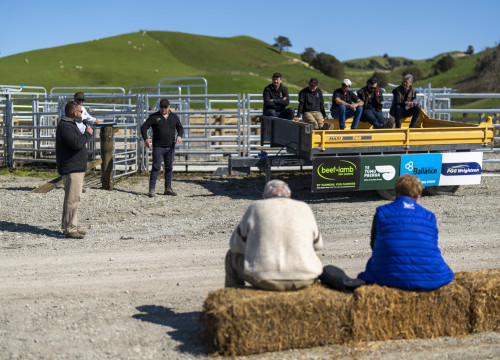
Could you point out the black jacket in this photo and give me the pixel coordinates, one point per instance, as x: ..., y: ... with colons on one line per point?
x: 163, y: 129
x: 273, y: 99
x: 349, y: 97
x: 311, y: 101
x: 372, y: 100
x: 71, y: 149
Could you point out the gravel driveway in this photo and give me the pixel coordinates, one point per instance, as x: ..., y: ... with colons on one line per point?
x: 134, y: 287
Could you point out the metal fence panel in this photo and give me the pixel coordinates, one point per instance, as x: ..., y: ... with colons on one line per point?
x: 216, y: 125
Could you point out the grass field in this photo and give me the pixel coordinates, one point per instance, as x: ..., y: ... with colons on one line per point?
x: 231, y: 65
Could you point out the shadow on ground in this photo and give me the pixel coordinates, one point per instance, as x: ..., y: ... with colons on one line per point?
x: 252, y: 186
x: 187, y: 328
x: 28, y: 229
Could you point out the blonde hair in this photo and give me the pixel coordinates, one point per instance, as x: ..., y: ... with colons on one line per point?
x: 409, y: 185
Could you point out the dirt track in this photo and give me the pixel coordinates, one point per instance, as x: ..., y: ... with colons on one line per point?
x: 134, y: 287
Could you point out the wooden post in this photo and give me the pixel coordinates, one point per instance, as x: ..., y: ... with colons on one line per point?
x: 52, y: 184
x: 107, y: 157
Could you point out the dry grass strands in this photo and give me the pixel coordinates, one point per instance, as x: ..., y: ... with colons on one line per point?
x: 484, y: 288
x: 247, y: 321
x: 382, y: 313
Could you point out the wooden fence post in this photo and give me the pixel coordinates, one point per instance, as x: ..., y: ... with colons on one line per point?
x: 107, y: 133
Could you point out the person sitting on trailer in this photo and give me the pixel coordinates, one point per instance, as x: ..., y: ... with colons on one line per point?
x: 405, y: 102
x: 404, y: 242
x: 372, y: 98
x: 312, y: 106
x: 346, y: 104
x: 274, y: 245
x: 276, y: 99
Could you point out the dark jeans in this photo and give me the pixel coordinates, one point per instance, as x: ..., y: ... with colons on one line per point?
x: 160, y: 154
x: 342, y: 112
x: 399, y: 111
x: 374, y: 117
x: 287, y: 113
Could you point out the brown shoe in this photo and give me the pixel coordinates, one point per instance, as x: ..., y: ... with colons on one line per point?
x: 73, y: 235
x: 80, y: 231
x: 170, y: 191
x: 152, y: 193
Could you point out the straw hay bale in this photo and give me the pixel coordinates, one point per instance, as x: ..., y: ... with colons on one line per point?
x: 248, y: 321
x: 381, y: 313
x: 484, y: 288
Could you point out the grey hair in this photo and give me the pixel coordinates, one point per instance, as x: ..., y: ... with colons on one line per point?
x: 409, y: 77
x: 276, y: 188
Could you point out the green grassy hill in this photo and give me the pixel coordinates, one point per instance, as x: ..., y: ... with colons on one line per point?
x: 231, y: 65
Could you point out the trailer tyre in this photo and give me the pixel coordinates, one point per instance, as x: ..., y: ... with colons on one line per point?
x: 387, y: 194
x: 441, y: 190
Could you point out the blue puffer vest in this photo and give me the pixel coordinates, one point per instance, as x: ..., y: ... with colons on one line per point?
x: 406, y: 253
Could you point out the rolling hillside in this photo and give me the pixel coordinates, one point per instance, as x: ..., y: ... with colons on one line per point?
x: 231, y: 65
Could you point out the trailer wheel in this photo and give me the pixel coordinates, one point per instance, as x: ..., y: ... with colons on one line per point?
x: 441, y: 190
x: 387, y: 194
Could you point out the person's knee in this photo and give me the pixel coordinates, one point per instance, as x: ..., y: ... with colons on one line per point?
x: 398, y: 111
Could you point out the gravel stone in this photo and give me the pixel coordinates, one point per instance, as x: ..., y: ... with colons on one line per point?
x: 133, y: 288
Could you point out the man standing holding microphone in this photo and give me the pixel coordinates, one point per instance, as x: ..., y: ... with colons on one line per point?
x: 165, y: 124
x: 71, y: 158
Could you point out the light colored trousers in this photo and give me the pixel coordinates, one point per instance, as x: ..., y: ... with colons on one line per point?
x: 315, y: 118
x: 73, y: 185
x: 236, y: 277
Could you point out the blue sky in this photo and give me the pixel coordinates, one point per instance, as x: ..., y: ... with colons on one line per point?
x: 346, y: 29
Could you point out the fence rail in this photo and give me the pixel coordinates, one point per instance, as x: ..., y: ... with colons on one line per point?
x: 216, y: 125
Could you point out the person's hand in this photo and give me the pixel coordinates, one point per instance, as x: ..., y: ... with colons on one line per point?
x: 178, y: 140
x: 89, y: 130
x: 148, y: 143
x: 97, y: 121
x: 284, y: 98
x: 353, y: 106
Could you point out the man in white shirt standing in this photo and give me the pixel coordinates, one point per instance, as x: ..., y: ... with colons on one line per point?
x: 86, y: 117
x: 274, y: 245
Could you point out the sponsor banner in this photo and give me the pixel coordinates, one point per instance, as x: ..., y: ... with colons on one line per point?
x: 462, y: 168
x: 335, y: 174
x: 427, y: 167
x: 379, y: 172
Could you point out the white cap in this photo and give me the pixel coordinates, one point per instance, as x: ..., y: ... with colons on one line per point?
x: 347, y: 82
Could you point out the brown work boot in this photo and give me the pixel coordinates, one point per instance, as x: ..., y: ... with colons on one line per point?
x: 74, y: 235
x: 327, y: 126
x: 81, y: 232
x: 152, y: 193
x: 170, y: 191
